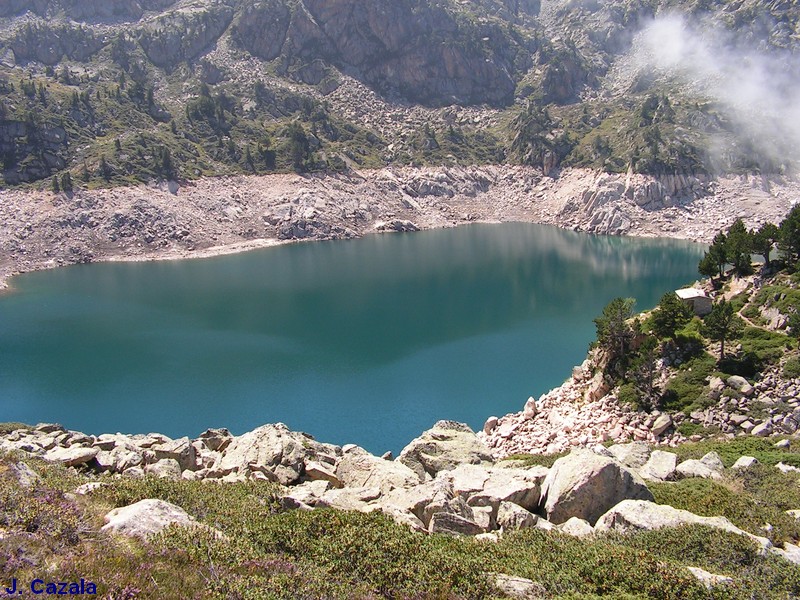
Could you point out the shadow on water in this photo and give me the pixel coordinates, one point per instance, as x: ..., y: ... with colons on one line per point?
x: 274, y: 334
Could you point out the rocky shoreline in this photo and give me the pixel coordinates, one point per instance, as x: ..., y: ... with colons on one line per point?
x: 207, y: 217
x: 445, y: 481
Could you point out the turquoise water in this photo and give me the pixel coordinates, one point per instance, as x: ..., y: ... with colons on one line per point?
x: 367, y: 341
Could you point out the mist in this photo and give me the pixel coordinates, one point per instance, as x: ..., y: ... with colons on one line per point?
x: 755, y: 85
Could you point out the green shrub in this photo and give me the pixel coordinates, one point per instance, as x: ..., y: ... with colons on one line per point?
x: 747, y: 511
x: 687, y: 390
x: 534, y: 460
x: 730, y: 450
x: 628, y: 396
x: 791, y: 368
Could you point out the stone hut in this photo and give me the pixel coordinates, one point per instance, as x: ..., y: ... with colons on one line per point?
x: 697, y: 299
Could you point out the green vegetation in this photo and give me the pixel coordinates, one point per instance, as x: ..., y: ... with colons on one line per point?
x: 791, y: 368
x: 687, y: 389
x: 768, y: 495
x: 730, y: 450
x: 267, y: 552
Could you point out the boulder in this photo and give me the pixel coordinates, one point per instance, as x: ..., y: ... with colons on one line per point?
x: 354, y: 498
x: 425, y: 500
x: 741, y: 385
x: 317, y: 471
x: 789, y: 552
x: 273, y: 450
x: 25, y: 476
x: 72, y: 456
x: 358, y: 468
x: 166, y: 468
x: 709, y: 580
x: 520, y: 486
x: 763, y: 430
x: 585, y: 485
x: 745, y: 462
x: 309, y: 492
x: 216, y: 440
x: 708, y: 467
x: 181, y: 450
x: 530, y: 410
x: 145, y: 518
x: 490, y: 424
x: 442, y: 448
x: 511, y: 516
x: 661, y: 424
x: 576, y: 527
x: 520, y: 588
x: 784, y: 468
x: 469, y: 479
x: 633, y: 455
x: 632, y: 515
x: 453, y: 524
x: 660, y: 466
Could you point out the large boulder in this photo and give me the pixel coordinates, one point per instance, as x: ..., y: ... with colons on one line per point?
x: 520, y: 486
x: 633, y: 515
x: 359, y: 468
x: 427, y: 499
x: 443, y: 447
x: 585, y: 485
x: 511, y: 516
x: 633, y: 455
x: 145, y: 518
x: 272, y: 450
x: 708, y: 467
x: 660, y: 466
x: 73, y: 456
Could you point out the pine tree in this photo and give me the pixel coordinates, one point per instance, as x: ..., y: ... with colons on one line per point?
x: 789, y: 242
x: 643, y: 372
x: 722, y: 324
x: 738, y: 247
x: 66, y: 182
x: 764, y: 240
x: 613, y: 331
x: 670, y: 315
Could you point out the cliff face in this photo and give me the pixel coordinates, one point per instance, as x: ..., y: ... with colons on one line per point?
x: 545, y: 83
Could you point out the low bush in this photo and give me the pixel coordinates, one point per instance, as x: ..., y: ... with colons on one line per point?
x: 687, y: 390
x: 791, y: 368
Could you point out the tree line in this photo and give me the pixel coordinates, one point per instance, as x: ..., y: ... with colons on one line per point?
x: 736, y: 246
x: 630, y: 347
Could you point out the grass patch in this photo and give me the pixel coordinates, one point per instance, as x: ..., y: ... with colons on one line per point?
x: 6, y: 428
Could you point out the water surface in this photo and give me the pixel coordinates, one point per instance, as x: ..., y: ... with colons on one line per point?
x: 367, y: 341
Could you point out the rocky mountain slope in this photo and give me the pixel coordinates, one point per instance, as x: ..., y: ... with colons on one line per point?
x: 160, y: 89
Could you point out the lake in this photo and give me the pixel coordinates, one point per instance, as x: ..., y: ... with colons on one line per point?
x: 368, y: 341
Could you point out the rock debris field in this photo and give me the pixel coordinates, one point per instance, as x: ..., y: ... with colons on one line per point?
x: 40, y: 229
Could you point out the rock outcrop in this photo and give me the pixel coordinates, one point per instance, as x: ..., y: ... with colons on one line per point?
x: 442, y: 448
x: 631, y: 515
x: 585, y: 485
